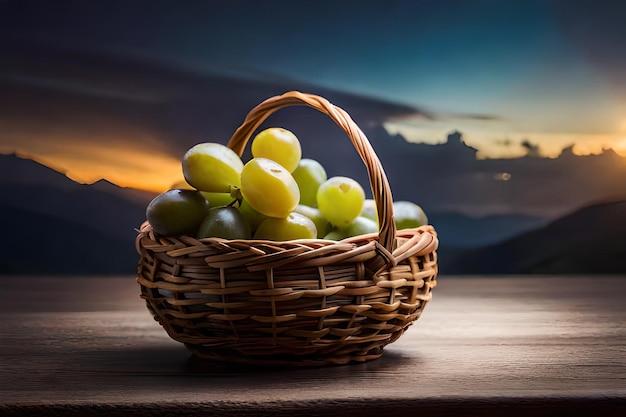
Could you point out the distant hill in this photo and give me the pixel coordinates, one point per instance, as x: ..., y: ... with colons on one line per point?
x: 54, y: 225
x: 459, y: 233
x: 590, y: 240
x: 456, y: 230
x: 140, y: 197
x: 22, y: 171
x: 38, y: 243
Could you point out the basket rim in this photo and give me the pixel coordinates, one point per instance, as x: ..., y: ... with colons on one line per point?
x: 416, y: 241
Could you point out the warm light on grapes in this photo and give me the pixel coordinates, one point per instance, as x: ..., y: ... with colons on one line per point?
x: 295, y: 226
x: 359, y: 226
x: 212, y: 167
x: 278, y: 144
x: 269, y: 188
x: 321, y: 223
x: 309, y: 175
x: 340, y: 200
x: 263, y: 199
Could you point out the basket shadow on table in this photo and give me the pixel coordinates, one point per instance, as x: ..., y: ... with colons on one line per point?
x: 174, y: 360
x: 390, y: 360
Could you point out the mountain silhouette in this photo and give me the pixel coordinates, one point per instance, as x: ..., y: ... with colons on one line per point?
x: 55, y: 225
x: 589, y: 240
x: 459, y: 231
x: 38, y: 243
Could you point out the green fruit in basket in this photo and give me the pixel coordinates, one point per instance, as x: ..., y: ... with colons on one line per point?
x: 269, y: 188
x: 340, y: 200
x: 225, y: 222
x: 370, y: 210
x: 278, y: 144
x: 359, y: 226
x: 309, y: 175
x: 294, y: 226
x: 408, y: 215
x: 322, y: 225
x: 218, y: 199
x: 253, y: 217
x: 212, y: 167
x: 177, y: 212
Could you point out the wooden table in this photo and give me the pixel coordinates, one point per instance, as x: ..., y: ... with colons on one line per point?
x: 484, y: 346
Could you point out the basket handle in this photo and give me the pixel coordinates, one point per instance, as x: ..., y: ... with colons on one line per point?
x: 381, y: 192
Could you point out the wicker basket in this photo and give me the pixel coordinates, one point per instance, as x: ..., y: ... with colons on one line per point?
x: 302, y: 302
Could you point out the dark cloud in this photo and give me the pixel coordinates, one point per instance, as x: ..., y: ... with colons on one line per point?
x: 473, y: 116
x: 504, y: 142
x: 533, y: 150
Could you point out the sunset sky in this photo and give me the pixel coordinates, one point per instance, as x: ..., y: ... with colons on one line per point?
x: 552, y: 72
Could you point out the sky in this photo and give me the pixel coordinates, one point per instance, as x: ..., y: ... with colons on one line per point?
x: 547, y: 72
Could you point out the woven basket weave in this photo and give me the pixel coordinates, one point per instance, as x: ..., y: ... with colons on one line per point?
x: 302, y: 302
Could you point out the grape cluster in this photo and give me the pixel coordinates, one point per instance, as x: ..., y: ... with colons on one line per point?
x: 276, y: 195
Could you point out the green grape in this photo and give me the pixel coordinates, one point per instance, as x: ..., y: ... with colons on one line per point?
x: 278, y: 144
x: 369, y: 210
x: 212, y: 167
x: 269, y: 188
x: 340, y: 200
x: 225, y: 222
x: 177, y: 212
x: 218, y: 199
x: 253, y: 217
x: 408, y: 215
x: 321, y: 223
x: 359, y: 226
x: 294, y: 226
x: 309, y: 175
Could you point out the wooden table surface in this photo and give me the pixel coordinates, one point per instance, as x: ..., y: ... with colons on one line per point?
x: 484, y: 346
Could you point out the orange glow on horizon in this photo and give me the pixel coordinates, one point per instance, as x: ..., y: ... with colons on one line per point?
x: 501, y: 142
x: 153, y: 171
x: 620, y: 147
x: 144, y: 165
x: 149, y: 172
x: 123, y: 154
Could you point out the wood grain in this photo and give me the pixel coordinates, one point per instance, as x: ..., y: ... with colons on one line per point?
x: 530, y: 345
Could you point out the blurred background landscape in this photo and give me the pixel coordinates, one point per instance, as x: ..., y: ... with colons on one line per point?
x: 505, y: 121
